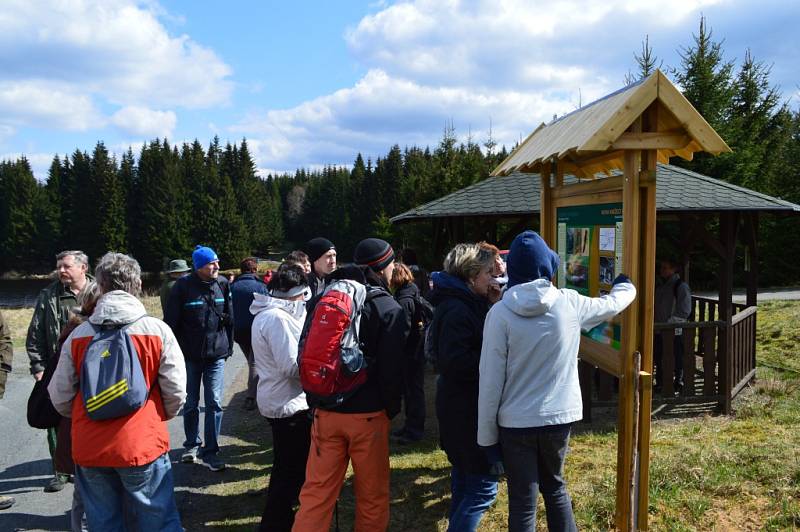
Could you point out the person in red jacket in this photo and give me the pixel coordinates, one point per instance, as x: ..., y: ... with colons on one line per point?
x: 121, y: 464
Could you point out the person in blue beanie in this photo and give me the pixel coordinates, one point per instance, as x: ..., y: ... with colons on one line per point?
x: 462, y: 294
x: 529, y: 395
x: 200, y: 314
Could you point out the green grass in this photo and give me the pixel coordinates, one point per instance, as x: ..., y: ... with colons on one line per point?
x: 18, y: 319
x: 707, y: 473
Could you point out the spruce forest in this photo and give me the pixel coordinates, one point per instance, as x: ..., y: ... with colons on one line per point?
x: 158, y: 203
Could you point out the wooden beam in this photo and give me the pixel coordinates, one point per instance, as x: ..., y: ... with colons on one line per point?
x: 651, y: 141
x: 646, y: 301
x: 588, y: 187
x: 751, y: 235
x: 727, y: 228
x: 631, y: 211
x: 546, y: 222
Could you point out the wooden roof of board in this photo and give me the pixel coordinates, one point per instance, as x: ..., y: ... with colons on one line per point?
x: 518, y: 194
x: 591, y: 139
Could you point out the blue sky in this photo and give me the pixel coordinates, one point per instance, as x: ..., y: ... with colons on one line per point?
x: 310, y: 83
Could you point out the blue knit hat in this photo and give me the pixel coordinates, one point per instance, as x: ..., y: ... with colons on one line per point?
x: 202, y: 256
x: 529, y: 258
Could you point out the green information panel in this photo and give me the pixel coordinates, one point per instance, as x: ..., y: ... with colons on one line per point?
x: 589, y: 242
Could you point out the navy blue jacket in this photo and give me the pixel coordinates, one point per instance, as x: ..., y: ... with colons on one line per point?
x: 199, y: 313
x: 242, y: 290
x: 457, y: 333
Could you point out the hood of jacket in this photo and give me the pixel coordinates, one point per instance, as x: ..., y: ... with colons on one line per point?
x: 263, y: 302
x: 446, y: 285
x: 533, y: 298
x: 117, y: 307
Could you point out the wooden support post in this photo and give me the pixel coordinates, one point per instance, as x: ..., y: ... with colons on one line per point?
x: 751, y: 241
x: 546, y: 221
x: 727, y: 229
x: 646, y: 301
x: 631, y: 211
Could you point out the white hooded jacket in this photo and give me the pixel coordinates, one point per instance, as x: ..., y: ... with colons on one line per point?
x: 529, y: 357
x: 276, y: 332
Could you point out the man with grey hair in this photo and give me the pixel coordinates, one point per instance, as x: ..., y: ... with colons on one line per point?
x: 122, y: 465
x: 50, y: 315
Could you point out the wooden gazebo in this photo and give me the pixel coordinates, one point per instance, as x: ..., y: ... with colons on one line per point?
x: 683, y: 197
x: 612, y: 148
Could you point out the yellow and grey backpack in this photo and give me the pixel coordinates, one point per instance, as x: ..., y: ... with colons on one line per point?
x: 112, y: 382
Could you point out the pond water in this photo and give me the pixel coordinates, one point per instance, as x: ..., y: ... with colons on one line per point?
x: 19, y: 293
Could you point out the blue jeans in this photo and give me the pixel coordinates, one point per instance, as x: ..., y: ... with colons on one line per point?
x: 211, y: 373
x: 534, y: 461
x: 471, y: 496
x: 147, y: 491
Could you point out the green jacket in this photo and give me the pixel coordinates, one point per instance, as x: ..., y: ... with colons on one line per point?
x: 46, y: 324
x: 6, y: 354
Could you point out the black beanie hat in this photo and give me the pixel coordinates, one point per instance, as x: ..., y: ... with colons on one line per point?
x: 317, y: 247
x: 373, y: 252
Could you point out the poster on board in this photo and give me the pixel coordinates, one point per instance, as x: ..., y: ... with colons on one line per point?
x: 589, y: 244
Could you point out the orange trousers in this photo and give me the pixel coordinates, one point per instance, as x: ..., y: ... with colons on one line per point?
x: 336, y: 439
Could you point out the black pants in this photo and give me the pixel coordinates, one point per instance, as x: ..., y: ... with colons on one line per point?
x: 414, y: 396
x: 291, y: 439
x: 658, y: 354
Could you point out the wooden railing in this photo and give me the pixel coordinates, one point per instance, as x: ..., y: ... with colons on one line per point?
x: 708, y: 374
x: 723, y: 375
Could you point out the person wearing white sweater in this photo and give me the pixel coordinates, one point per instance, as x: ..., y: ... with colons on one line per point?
x: 529, y: 394
x: 276, y: 329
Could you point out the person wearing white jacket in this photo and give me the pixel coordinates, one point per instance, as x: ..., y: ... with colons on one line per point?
x: 276, y: 329
x: 529, y: 394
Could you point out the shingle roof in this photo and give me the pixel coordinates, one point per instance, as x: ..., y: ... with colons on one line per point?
x: 677, y: 190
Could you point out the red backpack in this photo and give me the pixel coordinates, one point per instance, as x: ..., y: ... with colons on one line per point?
x: 332, y: 364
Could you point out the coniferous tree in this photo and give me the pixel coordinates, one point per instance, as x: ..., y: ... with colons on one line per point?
x: 110, y: 218
x: 17, y: 225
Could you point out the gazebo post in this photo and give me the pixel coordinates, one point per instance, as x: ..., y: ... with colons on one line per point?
x: 727, y: 228
x: 546, y: 226
x: 751, y: 259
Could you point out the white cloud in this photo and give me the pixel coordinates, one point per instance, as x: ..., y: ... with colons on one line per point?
x: 501, y: 43
x: 145, y: 122
x: 514, y: 62
x: 47, y: 104
x: 380, y: 111
x: 67, y: 58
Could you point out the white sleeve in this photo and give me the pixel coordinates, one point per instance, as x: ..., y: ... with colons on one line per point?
x: 171, y: 373
x: 592, y: 311
x: 494, y: 357
x: 283, y: 344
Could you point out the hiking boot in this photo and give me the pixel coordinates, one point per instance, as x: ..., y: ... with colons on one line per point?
x: 214, y: 463
x: 250, y: 403
x: 189, y: 456
x: 6, y: 502
x: 56, y: 484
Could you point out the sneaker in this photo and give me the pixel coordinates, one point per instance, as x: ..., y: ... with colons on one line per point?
x: 213, y: 462
x: 189, y: 456
x: 56, y: 484
x: 6, y: 502
x: 250, y: 403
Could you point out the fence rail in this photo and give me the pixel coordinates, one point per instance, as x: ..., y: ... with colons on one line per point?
x: 707, y: 372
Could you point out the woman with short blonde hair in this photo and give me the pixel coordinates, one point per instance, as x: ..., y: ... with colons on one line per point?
x: 462, y: 294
